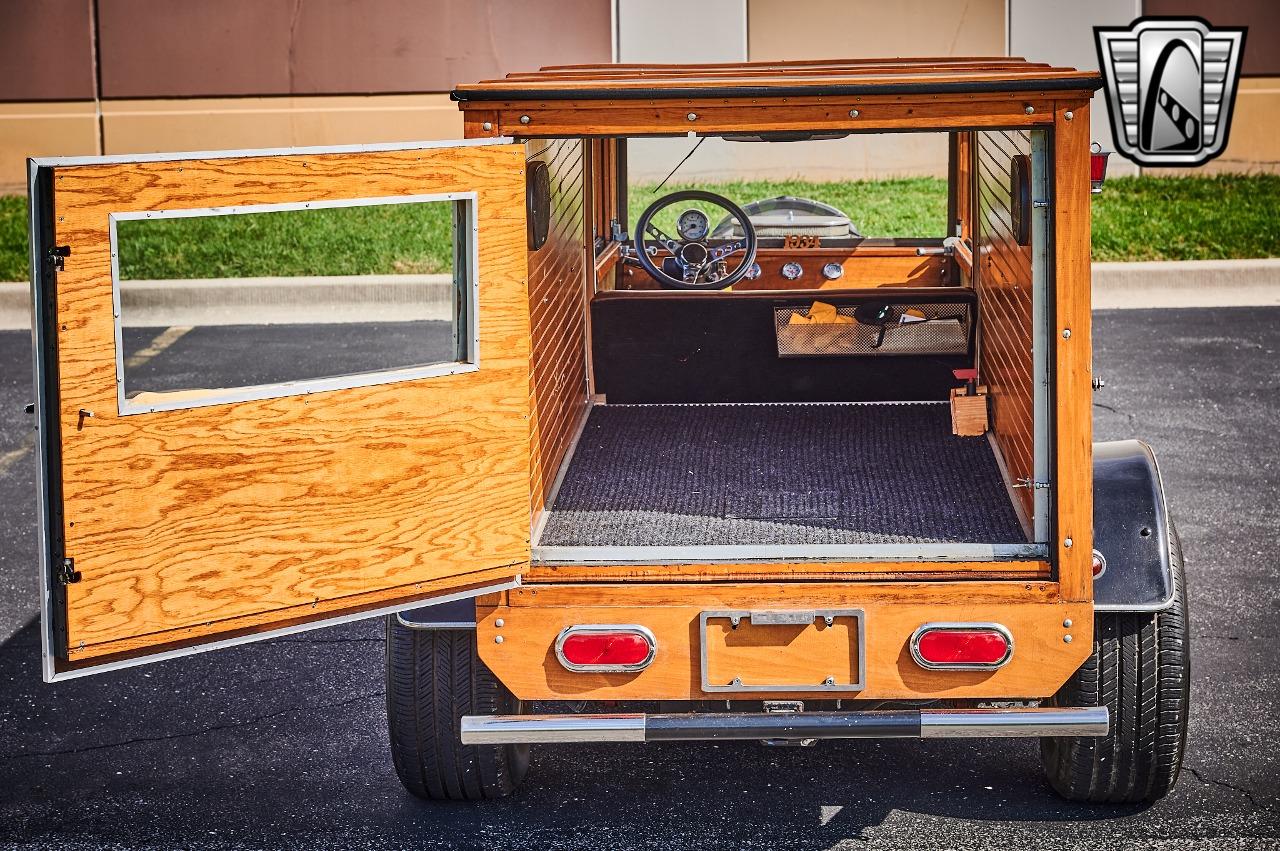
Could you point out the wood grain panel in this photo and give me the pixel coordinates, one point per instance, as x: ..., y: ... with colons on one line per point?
x: 201, y: 521
x: 1073, y: 352
x: 557, y: 278
x: 1003, y: 283
x: 555, y: 119
x: 1033, y: 613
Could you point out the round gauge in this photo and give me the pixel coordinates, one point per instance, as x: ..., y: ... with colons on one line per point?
x: 753, y: 272
x: 693, y: 224
x: 791, y: 271
x: 832, y: 271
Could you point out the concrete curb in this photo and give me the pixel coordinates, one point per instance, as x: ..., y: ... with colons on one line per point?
x: 1186, y: 283
x: 233, y: 301
x: 403, y: 298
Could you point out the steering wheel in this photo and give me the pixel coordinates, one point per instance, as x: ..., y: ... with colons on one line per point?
x: 696, y: 262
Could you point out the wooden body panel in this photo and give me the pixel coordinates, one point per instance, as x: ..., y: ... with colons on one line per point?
x: 557, y: 315
x: 1003, y: 283
x: 725, y: 115
x: 197, y: 523
x: 1071, y: 337
x: 533, y: 615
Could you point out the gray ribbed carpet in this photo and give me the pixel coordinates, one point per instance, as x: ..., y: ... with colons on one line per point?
x: 650, y: 475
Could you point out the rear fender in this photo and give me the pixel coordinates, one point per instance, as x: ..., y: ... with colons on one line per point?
x: 1130, y: 529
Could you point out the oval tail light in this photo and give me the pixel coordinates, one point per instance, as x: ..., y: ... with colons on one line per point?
x: 606, y: 647
x: 961, y: 646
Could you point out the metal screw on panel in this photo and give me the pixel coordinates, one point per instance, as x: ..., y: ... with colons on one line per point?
x: 693, y: 116
x: 1029, y: 109
x: 853, y: 113
x: 487, y: 126
x: 737, y: 681
x: 1067, y: 542
x: 1066, y: 639
x: 829, y: 681
x: 1068, y: 115
x: 497, y: 639
x: 1066, y: 333
x: 499, y: 623
x: 1067, y: 623
x: 829, y: 619
x: 524, y: 119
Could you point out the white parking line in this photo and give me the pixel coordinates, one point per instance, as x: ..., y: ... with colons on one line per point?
x: 163, y: 340
x: 8, y: 459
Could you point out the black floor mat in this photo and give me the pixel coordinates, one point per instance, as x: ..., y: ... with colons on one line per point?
x: 654, y: 475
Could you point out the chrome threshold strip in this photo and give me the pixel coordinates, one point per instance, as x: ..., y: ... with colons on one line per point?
x: 1030, y: 722
x: 746, y: 553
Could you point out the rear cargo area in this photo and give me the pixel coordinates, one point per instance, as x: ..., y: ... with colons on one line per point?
x: 762, y: 474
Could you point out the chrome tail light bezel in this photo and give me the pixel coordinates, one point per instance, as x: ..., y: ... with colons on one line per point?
x: 605, y: 629
x: 924, y: 629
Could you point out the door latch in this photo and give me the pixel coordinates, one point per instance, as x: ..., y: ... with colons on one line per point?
x: 1027, y: 482
x: 59, y: 254
x: 67, y: 574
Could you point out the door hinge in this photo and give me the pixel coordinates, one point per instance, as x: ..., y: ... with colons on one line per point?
x: 59, y: 255
x: 1027, y: 482
x: 67, y: 574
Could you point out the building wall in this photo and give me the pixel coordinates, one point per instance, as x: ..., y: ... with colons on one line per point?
x: 129, y: 76
x: 125, y: 76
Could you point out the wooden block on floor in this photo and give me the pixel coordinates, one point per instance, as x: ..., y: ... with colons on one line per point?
x: 969, y: 413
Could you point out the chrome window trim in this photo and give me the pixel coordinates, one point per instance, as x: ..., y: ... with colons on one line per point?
x: 467, y: 280
x: 599, y: 628
x: 952, y: 626
x: 858, y: 614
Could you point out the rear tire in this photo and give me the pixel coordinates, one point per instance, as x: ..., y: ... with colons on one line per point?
x: 1141, y: 671
x: 434, y: 677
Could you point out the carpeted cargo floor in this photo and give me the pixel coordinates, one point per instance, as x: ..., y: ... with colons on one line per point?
x: 681, y: 475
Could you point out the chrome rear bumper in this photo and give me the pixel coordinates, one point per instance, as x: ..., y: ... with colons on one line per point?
x: 900, y: 724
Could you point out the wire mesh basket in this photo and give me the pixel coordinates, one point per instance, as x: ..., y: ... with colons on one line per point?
x: 822, y: 330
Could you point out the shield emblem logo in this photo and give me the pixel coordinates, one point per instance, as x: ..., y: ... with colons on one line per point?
x: 1171, y: 87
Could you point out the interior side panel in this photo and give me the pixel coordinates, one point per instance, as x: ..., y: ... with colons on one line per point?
x: 1003, y: 283
x: 557, y: 317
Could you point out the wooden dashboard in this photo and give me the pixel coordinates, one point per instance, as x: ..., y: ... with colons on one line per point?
x: 860, y: 266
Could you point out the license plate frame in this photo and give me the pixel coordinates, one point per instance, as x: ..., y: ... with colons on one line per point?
x: 805, y: 618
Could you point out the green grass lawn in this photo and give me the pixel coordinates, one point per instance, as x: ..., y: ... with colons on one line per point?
x: 1135, y: 218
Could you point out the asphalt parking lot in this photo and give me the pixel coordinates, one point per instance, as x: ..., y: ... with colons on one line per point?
x: 282, y: 743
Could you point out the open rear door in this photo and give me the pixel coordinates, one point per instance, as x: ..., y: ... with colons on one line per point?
x: 226, y: 460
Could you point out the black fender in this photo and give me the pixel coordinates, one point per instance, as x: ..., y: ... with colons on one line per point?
x: 1130, y: 529
x: 455, y: 614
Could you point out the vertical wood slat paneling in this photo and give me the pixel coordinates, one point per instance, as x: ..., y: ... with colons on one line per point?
x: 1004, y: 304
x: 557, y: 317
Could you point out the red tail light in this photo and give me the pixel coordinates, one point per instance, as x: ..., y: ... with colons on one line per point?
x: 1097, y: 167
x: 961, y: 646
x: 606, y: 647
x: 1099, y: 564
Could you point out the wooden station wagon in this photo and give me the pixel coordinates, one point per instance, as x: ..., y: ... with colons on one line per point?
x: 730, y: 469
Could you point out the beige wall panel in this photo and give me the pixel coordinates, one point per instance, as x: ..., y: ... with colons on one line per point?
x: 829, y: 29
x: 42, y: 130
x: 241, y: 123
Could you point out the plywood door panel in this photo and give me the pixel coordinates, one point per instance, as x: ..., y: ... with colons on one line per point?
x: 197, y: 523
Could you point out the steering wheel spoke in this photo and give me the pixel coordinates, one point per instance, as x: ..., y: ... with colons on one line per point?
x: 722, y: 251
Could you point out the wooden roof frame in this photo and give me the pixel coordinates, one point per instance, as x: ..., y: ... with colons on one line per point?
x: 843, y: 94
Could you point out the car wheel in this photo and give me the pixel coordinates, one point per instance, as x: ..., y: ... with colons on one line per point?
x: 1141, y: 671
x: 434, y: 677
